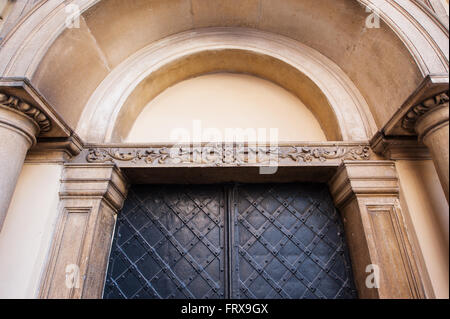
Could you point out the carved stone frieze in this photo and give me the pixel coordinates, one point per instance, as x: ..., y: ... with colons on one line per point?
x: 27, y: 109
x: 228, y: 155
x: 411, y: 118
x: 311, y: 154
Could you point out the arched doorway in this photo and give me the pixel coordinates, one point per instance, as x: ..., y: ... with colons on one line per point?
x: 99, y: 90
x: 228, y: 240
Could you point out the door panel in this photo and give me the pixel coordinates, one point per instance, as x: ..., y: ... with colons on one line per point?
x: 234, y: 241
x: 287, y: 242
x: 169, y: 243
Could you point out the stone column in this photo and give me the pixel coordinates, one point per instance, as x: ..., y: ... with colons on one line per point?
x: 91, y: 195
x: 20, y: 123
x: 367, y: 195
x: 430, y: 121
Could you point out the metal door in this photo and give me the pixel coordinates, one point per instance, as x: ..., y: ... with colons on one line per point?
x: 288, y: 243
x: 240, y: 241
x: 169, y: 243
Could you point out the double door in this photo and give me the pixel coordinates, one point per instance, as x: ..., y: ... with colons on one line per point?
x: 229, y: 241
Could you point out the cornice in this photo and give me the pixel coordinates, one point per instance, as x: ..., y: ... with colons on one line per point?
x: 364, y: 180
x: 432, y: 92
x: 104, y: 182
x: 28, y: 95
x: 399, y: 147
x: 55, y: 150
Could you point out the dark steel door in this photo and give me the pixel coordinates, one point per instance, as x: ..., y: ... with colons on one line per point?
x: 241, y: 241
x: 288, y: 243
x: 169, y: 243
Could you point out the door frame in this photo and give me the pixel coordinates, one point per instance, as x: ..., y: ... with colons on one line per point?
x: 365, y: 191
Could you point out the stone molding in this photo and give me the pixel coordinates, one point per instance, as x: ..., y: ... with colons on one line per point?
x: 224, y: 155
x: 23, y: 90
x: 367, y: 194
x: 437, y: 8
x: 55, y: 150
x: 32, y: 112
x: 415, y: 30
x: 90, y: 197
x: 399, y: 148
x: 364, y: 178
x: 400, y: 123
x: 94, y: 181
x: 424, y: 116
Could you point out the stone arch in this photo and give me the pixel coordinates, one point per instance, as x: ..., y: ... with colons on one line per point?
x: 410, y: 35
x: 326, y: 90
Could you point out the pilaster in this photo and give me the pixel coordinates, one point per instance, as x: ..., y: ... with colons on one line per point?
x: 91, y: 196
x: 367, y: 194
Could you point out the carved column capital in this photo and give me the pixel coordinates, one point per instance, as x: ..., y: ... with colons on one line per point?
x: 29, y: 110
x: 414, y: 116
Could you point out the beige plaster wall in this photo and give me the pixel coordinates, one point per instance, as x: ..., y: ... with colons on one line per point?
x: 223, y: 101
x: 428, y: 212
x: 28, y: 229
x: 5, y: 9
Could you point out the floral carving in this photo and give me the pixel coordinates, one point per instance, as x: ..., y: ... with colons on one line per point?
x: 29, y: 110
x: 309, y: 155
x: 149, y: 156
x: 219, y: 155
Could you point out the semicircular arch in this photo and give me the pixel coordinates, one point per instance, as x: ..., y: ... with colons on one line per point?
x: 315, y: 80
